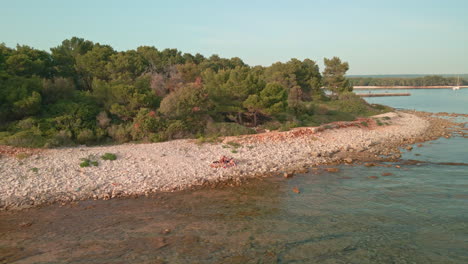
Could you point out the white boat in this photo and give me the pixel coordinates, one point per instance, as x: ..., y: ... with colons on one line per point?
x: 458, y: 85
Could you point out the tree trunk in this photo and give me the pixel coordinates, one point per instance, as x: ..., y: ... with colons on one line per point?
x: 239, y: 117
x: 255, y: 118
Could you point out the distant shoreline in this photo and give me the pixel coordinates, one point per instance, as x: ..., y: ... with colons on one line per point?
x: 404, y: 87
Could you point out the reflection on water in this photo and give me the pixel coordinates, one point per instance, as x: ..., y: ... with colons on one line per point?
x: 412, y: 216
x: 417, y: 214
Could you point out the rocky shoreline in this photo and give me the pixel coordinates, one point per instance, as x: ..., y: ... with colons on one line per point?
x: 33, y: 178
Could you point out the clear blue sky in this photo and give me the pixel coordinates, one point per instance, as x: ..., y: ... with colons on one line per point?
x: 375, y: 37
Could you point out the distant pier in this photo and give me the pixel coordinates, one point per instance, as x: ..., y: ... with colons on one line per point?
x: 404, y: 87
x: 382, y: 94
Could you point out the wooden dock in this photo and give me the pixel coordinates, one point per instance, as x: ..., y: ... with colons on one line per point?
x: 382, y: 94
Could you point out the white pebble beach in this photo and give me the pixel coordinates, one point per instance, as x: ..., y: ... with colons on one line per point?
x: 178, y: 164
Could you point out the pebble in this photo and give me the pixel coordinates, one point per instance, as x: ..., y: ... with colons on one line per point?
x: 139, y: 167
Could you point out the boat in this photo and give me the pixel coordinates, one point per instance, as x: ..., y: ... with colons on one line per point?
x: 458, y: 85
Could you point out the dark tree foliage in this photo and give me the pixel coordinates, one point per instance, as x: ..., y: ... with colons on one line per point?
x: 85, y: 92
x: 432, y: 80
x: 334, y: 76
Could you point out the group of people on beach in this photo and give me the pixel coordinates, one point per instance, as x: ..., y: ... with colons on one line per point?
x: 223, y: 162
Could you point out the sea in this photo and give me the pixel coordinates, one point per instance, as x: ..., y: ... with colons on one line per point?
x: 418, y: 213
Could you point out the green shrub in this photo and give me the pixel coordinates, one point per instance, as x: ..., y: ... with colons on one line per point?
x: 288, y: 125
x: 109, y: 156
x: 120, y: 133
x: 60, y: 138
x: 86, y: 136
x: 351, y: 103
x: 26, y: 123
x: 272, y: 125
x: 26, y: 138
x: 146, y: 123
x: 202, y: 139
x: 103, y: 119
x: 87, y: 162
x: 157, y: 137
x: 176, y: 130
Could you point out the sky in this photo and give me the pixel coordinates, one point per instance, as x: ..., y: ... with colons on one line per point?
x: 373, y: 36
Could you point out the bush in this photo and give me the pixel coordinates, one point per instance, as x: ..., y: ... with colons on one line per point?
x: 146, y: 123
x: 272, y: 125
x: 120, y: 133
x: 26, y: 138
x: 351, y: 103
x: 26, y: 123
x: 86, y: 136
x: 88, y: 162
x: 188, y: 100
x: 109, y: 156
x: 288, y: 125
x: 60, y: 138
x: 176, y: 130
x: 157, y: 137
x: 103, y: 120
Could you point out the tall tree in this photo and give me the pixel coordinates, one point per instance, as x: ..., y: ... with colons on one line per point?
x: 270, y: 101
x: 65, y: 55
x: 126, y: 66
x: 93, y: 64
x: 26, y: 61
x: 334, y: 76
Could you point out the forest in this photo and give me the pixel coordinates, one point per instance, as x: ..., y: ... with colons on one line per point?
x: 83, y: 92
x: 430, y: 80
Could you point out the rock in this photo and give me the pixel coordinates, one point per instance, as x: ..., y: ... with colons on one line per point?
x: 370, y: 164
x: 25, y: 224
x: 373, y: 177
x: 315, y: 154
x: 409, y: 148
x: 166, y: 231
x: 302, y: 170
x: 387, y: 174
x: 420, y: 145
x: 348, y: 160
x: 332, y: 169
x: 397, y: 166
x: 288, y: 174
x: 296, y: 190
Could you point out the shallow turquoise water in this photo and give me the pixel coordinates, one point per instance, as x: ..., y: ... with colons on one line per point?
x: 418, y: 214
